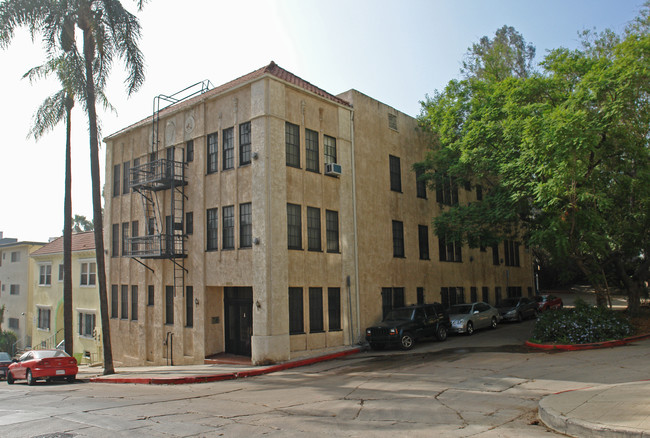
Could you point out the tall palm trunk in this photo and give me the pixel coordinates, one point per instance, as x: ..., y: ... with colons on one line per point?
x: 89, y: 56
x: 67, y: 232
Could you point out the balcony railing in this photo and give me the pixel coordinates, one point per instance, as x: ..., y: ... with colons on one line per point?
x: 157, y: 246
x: 158, y: 175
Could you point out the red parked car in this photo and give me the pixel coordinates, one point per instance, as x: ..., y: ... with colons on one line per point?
x: 43, y: 364
x: 546, y: 302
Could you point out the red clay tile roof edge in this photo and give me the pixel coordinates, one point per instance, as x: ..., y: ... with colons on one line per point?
x: 80, y: 242
x: 272, y: 69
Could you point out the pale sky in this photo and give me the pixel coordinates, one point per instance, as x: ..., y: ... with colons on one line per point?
x: 394, y: 51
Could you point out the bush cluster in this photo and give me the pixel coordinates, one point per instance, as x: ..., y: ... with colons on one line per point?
x: 583, y: 324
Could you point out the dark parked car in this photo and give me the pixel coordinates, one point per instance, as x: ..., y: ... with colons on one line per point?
x: 405, y: 325
x: 5, y: 361
x: 517, y: 308
x: 546, y: 302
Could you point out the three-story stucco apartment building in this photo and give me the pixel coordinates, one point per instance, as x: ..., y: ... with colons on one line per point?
x: 267, y: 217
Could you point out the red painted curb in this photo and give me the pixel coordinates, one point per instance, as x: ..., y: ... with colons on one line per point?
x: 227, y: 376
x: 592, y: 346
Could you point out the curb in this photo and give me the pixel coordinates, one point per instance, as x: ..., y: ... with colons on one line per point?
x: 206, y: 378
x: 563, y: 424
x: 592, y: 346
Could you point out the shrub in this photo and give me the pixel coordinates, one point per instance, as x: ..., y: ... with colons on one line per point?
x: 583, y: 324
x: 7, y: 341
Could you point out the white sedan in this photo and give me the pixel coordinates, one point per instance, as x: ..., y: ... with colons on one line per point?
x: 465, y: 318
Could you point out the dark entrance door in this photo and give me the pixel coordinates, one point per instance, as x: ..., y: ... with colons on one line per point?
x: 238, y: 305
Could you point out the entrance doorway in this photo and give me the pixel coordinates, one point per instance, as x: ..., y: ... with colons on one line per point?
x: 238, y: 305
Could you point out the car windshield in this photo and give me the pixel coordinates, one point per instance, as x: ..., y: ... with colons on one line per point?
x: 460, y: 309
x: 509, y: 302
x: 42, y: 354
x: 399, y: 315
x: 4, y: 356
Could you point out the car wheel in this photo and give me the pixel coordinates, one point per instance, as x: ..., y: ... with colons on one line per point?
x: 494, y: 322
x: 441, y: 333
x: 406, y: 341
x: 376, y: 346
x: 70, y: 379
x: 30, y: 378
x: 470, y: 328
x: 520, y: 317
x: 10, y: 378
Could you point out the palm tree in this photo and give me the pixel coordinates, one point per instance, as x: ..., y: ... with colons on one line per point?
x: 108, y: 30
x: 51, y: 112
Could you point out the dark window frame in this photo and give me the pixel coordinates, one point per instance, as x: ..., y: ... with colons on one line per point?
x: 169, y: 305
x: 114, y: 301
x: 292, y: 144
x: 228, y: 148
x: 116, y: 180
x: 124, y: 301
x: 189, y: 151
x: 212, y: 229
x: 228, y: 227
x: 245, y: 143
x: 294, y: 226
x: 398, y: 239
x: 134, y: 303
x: 316, y: 323
x: 312, y: 151
x: 314, y: 238
x: 420, y: 185
x: 423, y: 242
x: 395, y: 173
x: 332, y: 231
x: 296, y: 311
x: 334, y: 309
x: 451, y: 251
x: 329, y: 149
x: 189, y: 306
x: 246, y: 225
x: 212, y: 153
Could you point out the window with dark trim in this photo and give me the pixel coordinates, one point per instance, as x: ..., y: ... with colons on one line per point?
x: 169, y: 304
x: 125, y: 177
x: 294, y: 226
x: 485, y: 294
x: 150, y: 295
x: 212, y: 243
x: 495, y: 254
x: 420, y: 295
x: 313, y: 229
x: 134, y: 303
x: 189, y: 306
x: 212, y: 152
x: 116, y: 180
x: 497, y: 295
x: 514, y: 291
x: 245, y: 143
x: 392, y: 121
x: 420, y: 184
x: 125, y: 239
x: 86, y: 324
x: 450, y: 251
x: 329, y: 146
x: 473, y: 293
x: 452, y: 295
x: 447, y: 191
x: 511, y: 252
x: 315, y: 309
x: 228, y: 148
x: 296, y: 318
x: 423, y: 239
x: 45, y: 275
x: 189, y: 151
x: 189, y: 222
x: 245, y: 225
x: 398, y: 239
x: 395, y: 174
x: 114, y: 301
x: 334, y: 308
x: 228, y: 227
x: 332, y: 230
x: 135, y: 232
x: 391, y: 297
x: 43, y: 318
x: 124, y: 302
x: 311, y: 151
x: 292, y: 140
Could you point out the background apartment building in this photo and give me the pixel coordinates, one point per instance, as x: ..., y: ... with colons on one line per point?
x: 267, y: 217
x: 16, y: 273
x: 47, y: 302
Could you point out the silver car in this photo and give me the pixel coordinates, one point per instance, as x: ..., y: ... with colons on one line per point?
x: 465, y: 318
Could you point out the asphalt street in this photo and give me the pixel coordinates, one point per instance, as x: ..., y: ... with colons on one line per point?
x: 485, y: 385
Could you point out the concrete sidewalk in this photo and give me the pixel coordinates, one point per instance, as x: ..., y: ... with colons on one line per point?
x: 187, y: 374
x: 621, y: 410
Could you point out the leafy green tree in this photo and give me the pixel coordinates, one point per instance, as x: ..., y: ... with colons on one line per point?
x: 108, y: 30
x: 562, y: 155
x: 81, y: 224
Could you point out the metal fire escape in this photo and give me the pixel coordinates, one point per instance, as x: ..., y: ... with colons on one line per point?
x: 165, y: 233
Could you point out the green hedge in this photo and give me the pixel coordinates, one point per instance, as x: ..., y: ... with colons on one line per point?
x: 7, y: 341
x: 583, y: 324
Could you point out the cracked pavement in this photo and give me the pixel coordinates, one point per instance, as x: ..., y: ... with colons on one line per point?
x: 479, y: 386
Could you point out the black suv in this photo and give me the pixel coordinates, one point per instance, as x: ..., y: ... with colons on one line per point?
x: 404, y: 325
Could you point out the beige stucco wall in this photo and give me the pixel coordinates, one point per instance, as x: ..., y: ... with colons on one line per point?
x: 378, y: 206
x: 361, y: 195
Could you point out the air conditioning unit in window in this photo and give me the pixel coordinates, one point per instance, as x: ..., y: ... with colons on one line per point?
x: 332, y: 169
